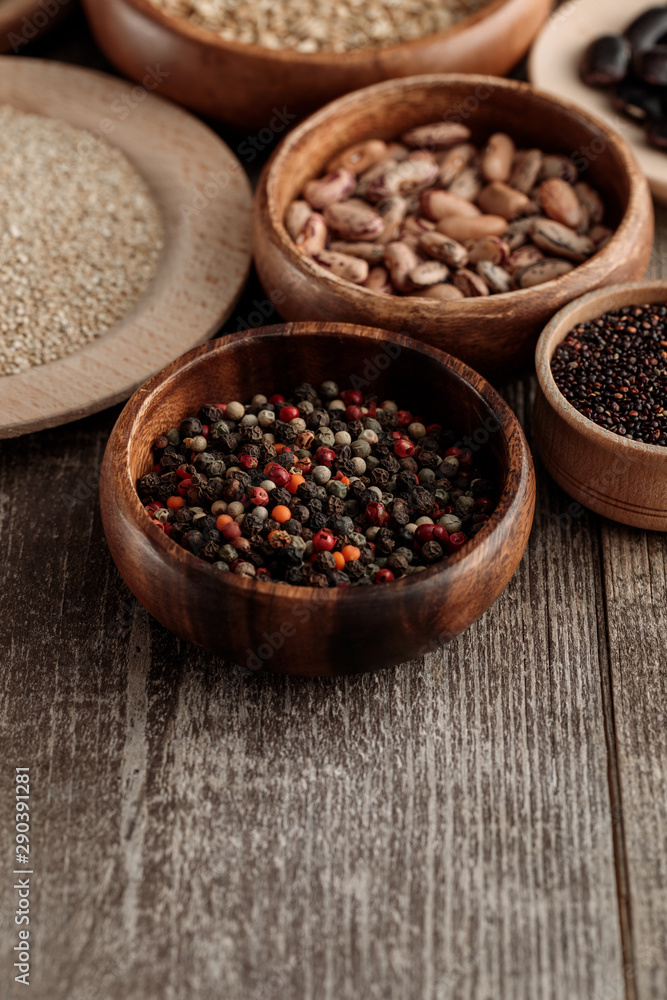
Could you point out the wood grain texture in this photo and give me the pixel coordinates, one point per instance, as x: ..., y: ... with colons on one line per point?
x: 204, y: 200
x: 133, y: 33
x: 239, y: 617
x: 444, y: 829
x: 461, y: 327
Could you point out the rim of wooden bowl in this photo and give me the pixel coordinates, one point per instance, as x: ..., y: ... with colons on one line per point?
x: 205, y: 36
x: 204, y: 264
x: 13, y: 13
x: 592, y: 306
x: 279, y: 162
x: 118, y: 487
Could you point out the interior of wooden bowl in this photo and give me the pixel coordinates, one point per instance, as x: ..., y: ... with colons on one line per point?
x: 484, y: 104
x: 238, y: 367
x: 208, y: 38
x: 589, y: 307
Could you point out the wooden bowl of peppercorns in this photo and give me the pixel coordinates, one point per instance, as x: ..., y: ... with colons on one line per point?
x: 599, y: 450
x: 259, y: 622
x: 495, y: 333
x: 267, y: 89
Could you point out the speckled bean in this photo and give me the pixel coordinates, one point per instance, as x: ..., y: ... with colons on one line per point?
x: 589, y: 197
x: 554, y: 165
x: 461, y: 228
x: 468, y: 184
x: 560, y: 202
x: 437, y: 135
x: 393, y: 212
x: 378, y: 280
x: 442, y: 292
x: 436, y: 204
x: 497, y: 278
x: 518, y: 233
x: 371, y: 252
x: 527, y: 164
x: 342, y: 264
x: 453, y: 161
x: 313, y: 236
x: 444, y: 248
x: 500, y: 199
x: 497, y: 157
x: 402, y: 178
x: 359, y: 157
x: 354, y: 219
x: 400, y: 259
x: 470, y: 283
x: 524, y: 257
x: 489, y: 248
x: 297, y: 215
x: 336, y: 186
x: 544, y: 270
x: 430, y: 272
x: 561, y: 241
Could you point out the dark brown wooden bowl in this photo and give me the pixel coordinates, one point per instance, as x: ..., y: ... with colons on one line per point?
x: 495, y: 335
x: 248, y: 84
x: 303, y: 630
x: 622, y: 479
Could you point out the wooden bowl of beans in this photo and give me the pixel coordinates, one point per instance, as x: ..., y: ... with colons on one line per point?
x: 267, y: 66
x: 463, y: 211
x: 601, y: 408
x: 303, y: 614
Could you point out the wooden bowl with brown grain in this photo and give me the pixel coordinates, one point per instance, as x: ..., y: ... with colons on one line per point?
x: 496, y: 334
x: 304, y: 630
x: 620, y: 478
x: 248, y: 85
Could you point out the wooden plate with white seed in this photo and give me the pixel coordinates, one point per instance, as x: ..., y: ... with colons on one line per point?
x: 204, y: 199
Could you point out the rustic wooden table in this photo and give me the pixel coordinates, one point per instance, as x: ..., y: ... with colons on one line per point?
x: 488, y: 823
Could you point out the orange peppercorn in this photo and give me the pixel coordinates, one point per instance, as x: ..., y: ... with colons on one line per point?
x: 281, y: 514
x: 223, y: 519
x: 350, y: 553
x: 339, y: 560
x: 173, y: 503
x: 295, y: 482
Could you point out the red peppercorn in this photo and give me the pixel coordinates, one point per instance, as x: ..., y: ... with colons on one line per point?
x: 433, y: 430
x: 483, y: 504
x: 231, y: 530
x: 204, y: 430
x: 424, y: 534
x: 154, y: 505
x: 167, y: 528
x: 159, y: 525
x: 376, y: 513
x: 181, y: 472
x: 372, y: 409
x: 481, y: 519
x: 404, y: 418
x: 258, y: 496
x: 404, y: 448
x: 324, y: 540
x: 353, y: 413
x: 288, y: 413
x: 440, y: 533
x: 279, y: 475
x: 276, y: 400
x: 262, y: 573
x: 396, y: 435
x: 384, y: 576
x: 184, y: 486
x: 157, y: 469
x: 325, y: 456
x: 352, y: 397
x: 455, y: 541
x: 248, y: 462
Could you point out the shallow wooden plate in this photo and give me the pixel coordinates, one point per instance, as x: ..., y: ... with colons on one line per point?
x: 21, y: 21
x: 205, y: 201
x: 554, y: 66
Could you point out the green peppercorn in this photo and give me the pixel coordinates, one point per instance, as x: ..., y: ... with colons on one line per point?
x: 329, y: 390
x: 173, y: 436
x: 227, y: 553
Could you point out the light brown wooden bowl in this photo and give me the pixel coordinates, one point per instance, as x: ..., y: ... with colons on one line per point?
x: 22, y: 21
x: 246, y: 84
x: 495, y: 335
x: 622, y: 479
x: 206, y: 257
x: 330, y: 631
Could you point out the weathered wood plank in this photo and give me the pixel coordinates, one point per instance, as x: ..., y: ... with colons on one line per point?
x: 437, y: 832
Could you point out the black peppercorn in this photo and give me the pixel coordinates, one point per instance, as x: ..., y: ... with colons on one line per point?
x: 209, y: 414
x: 431, y: 552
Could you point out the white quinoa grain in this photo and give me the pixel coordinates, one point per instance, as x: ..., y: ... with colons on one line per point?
x: 321, y: 25
x: 80, y: 242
